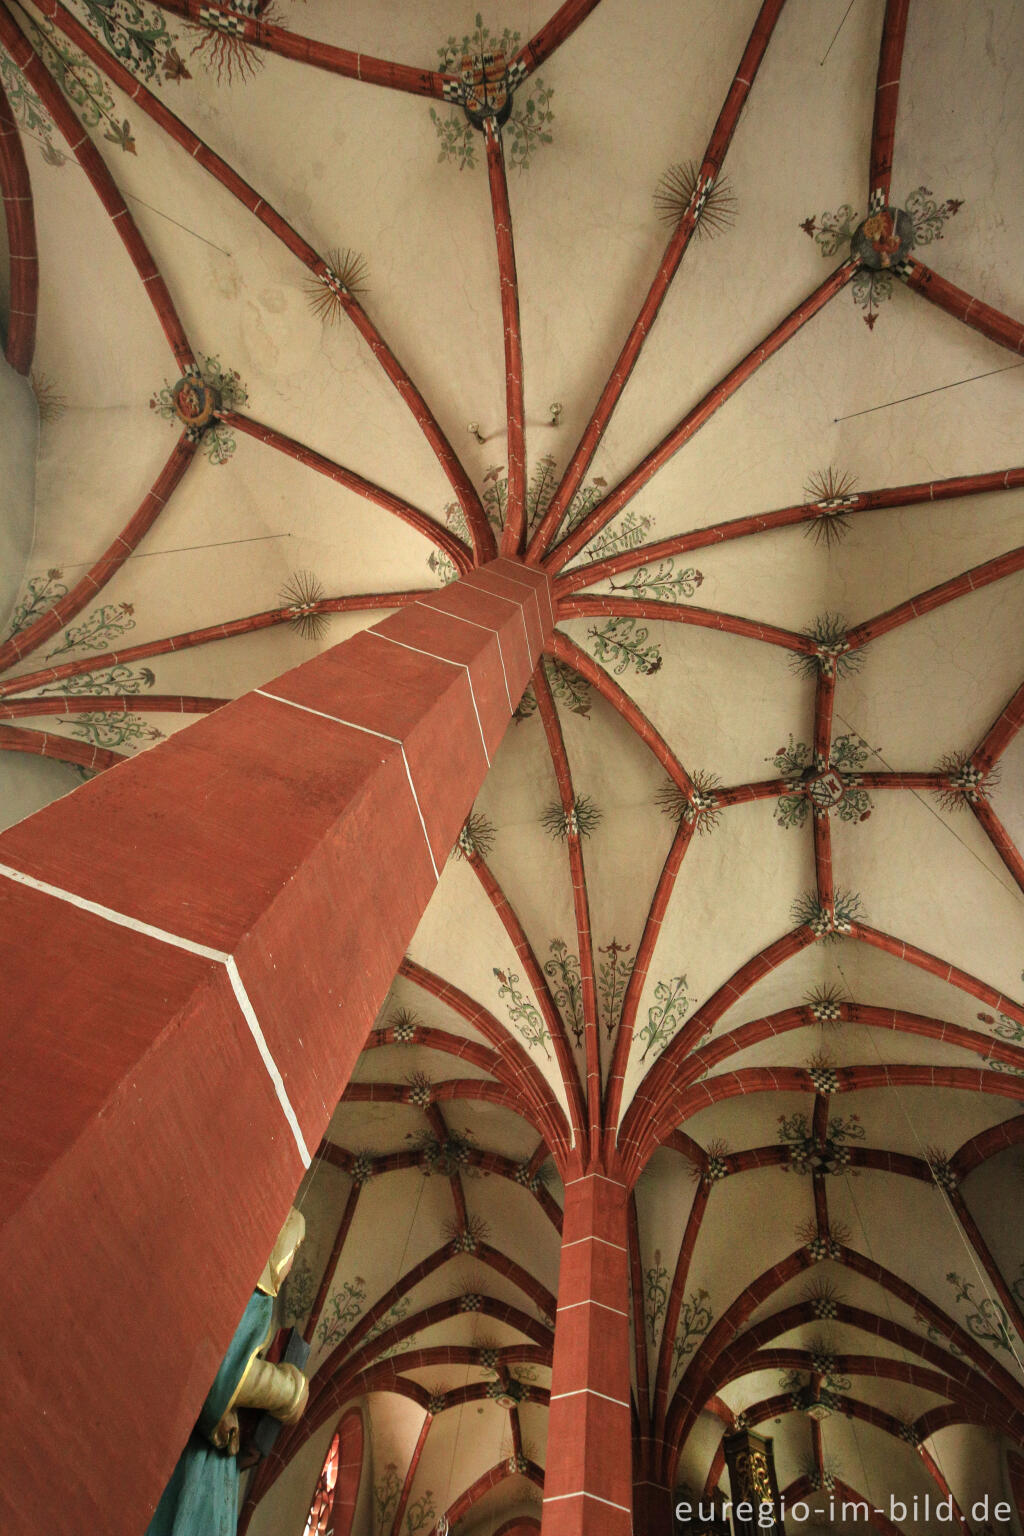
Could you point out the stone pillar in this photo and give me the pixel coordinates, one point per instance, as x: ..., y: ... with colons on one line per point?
x: 588, y: 1486
x: 652, y: 1509
x: 193, y: 947
x: 703, y: 1514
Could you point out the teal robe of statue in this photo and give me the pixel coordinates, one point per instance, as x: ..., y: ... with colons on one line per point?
x: 201, y: 1498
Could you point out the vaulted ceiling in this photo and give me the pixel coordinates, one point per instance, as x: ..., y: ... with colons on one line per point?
x: 751, y: 849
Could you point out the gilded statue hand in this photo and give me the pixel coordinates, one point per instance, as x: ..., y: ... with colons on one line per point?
x: 225, y: 1435
x: 278, y: 1389
x: 298, y: 1407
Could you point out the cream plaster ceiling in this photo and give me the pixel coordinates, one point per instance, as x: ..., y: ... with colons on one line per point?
x: 636, y: 88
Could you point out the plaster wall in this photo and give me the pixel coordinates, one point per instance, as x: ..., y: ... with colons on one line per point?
x: 18, y: 442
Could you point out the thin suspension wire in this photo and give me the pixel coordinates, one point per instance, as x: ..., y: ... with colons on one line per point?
x: 887, y: 1299
x: 182, y: 549
x: 311, y: 1174
x: 836, y: 33
x: 983, y: 1279
x: 922, y: 392
x: 1012, y: 889
x: 131, y: 197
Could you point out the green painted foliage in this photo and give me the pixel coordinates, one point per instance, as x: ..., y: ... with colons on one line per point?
x: 656, y: 1283
x: 612, y: 979
x: 82, y: 84
x: 671, y: 1005
x: 97, y: 631
x: 529, y: 123
x: 137, y: 35
x: 29, y: 111
x: 40, y: 595
x: 386, y: 1491
x: 523, y: 1014
x: 563, y: 971
x: 113, y: 729
x: 628, y: 532
x: 661, y: 583
x: 624, y: 645
x: 218, y: 440
x: 695, y: 1318
x: 984, y: 1318
x: 343, y: 1308
x: 120, y: 679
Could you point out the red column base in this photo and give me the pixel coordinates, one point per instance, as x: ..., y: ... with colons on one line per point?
x: 588, y: 1485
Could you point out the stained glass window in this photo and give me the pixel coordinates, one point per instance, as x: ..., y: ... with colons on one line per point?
x: 318, y: 1521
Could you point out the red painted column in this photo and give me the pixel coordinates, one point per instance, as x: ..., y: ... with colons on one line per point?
x: 19, y: 216
x: 193, y: 947
x: 588, y: 1484
x: 652, y: 1508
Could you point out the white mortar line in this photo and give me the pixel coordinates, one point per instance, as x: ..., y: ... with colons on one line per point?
x: 581, y: 1493
x: 589, y: 1392
x: 123, y: 920
x: 513, y: 603
x: 110, y: 915
x: 449, y: 663
x: 572, y: 1305
x: 577, y: 1240
x: 487, y: 631
x: 382, y: 736
x: 602, y: 1176
x: 249, y: 1014
x: 423, y: 824
x: 536, y: 590
x: 309, y: 710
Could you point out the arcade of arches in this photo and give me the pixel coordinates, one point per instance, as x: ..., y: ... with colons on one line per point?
x: 511, y: 677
